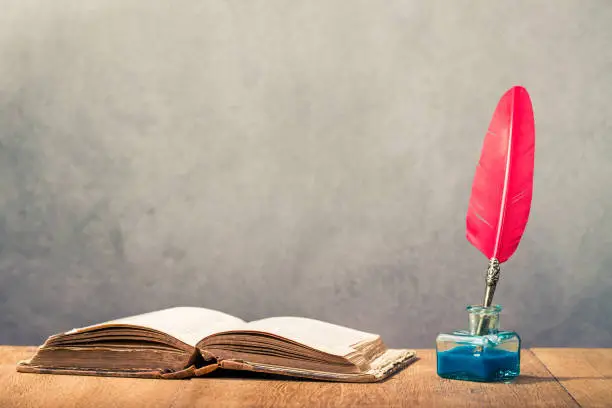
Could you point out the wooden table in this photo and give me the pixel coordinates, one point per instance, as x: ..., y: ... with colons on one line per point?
x: 549, y: 378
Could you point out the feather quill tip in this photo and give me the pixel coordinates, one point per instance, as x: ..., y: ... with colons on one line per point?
x: 500, y: 200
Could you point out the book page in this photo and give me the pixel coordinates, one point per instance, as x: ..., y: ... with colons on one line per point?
x: 327, y: 337
x: 187, y: 324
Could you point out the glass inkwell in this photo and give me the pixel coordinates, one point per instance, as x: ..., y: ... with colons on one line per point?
x: 483, y: 353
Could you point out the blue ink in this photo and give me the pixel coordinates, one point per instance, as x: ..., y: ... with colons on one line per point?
x: 489, y: 365
x: 491, y: 357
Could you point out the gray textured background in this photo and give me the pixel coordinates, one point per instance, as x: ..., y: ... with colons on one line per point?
x: 308, y: 158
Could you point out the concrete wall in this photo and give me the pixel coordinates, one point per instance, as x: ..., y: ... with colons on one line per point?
x: 307, y: 158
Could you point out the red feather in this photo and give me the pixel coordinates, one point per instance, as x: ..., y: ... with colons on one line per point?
x: 503, y: 184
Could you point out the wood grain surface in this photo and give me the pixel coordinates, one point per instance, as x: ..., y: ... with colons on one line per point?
x: 417, y: 385
x: 585, y: 373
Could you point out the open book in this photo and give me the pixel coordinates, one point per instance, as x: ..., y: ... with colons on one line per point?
x: 184, y: 342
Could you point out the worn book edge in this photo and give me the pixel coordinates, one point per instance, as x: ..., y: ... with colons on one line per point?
x: 384, y: 366
x: 189, y: 372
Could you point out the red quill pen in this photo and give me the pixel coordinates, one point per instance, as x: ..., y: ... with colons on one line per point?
x: 503, y: 184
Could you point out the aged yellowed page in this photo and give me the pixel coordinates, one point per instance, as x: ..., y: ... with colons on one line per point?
x: 327, y: 337
x: 187, y: 324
